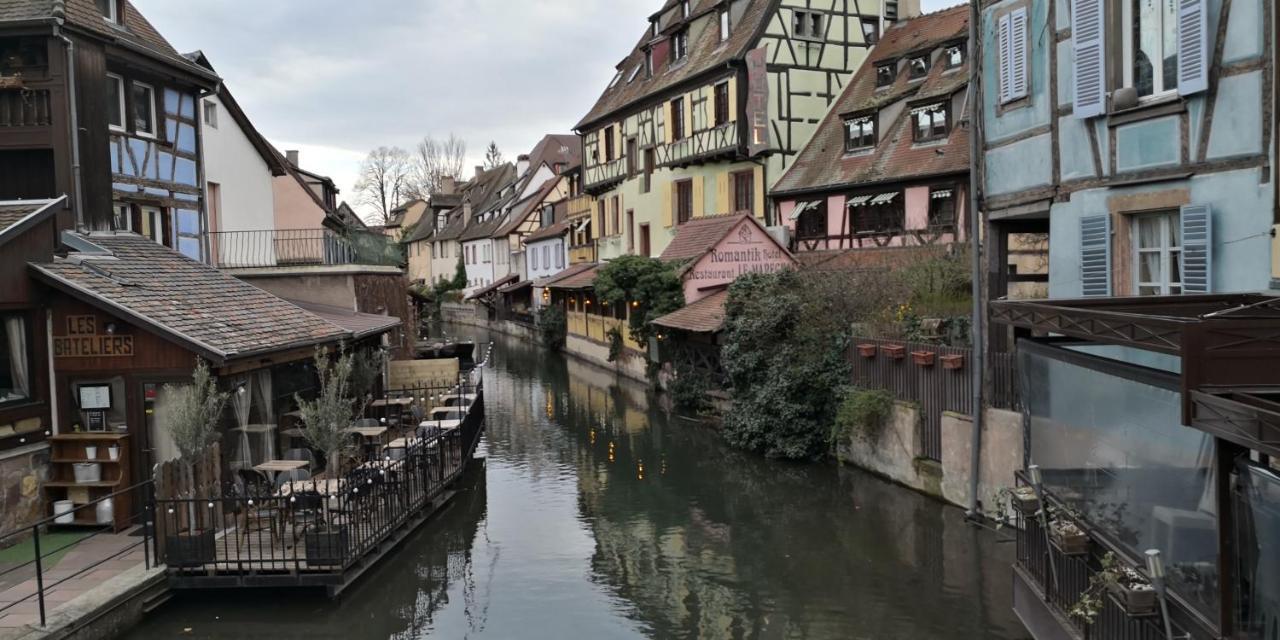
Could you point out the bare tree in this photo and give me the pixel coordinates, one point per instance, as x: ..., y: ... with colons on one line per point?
x: 434, y: 161
x: 492, y: 157
x: 385, y: 177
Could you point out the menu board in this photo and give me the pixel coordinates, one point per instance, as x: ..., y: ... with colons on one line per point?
x: 95, y: 397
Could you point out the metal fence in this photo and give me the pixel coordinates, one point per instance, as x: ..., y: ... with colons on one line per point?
x: 302, y: 247
x: 937, y: 378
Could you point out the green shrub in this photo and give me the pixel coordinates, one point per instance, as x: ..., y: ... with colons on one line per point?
x: 615, y: 343
x: 647, y: 287
x: 688, y: 391
x: 553, y: 326
x: 863, y: 414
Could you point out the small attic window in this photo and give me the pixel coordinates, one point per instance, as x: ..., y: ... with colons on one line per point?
x: 885, y: 74
x: 918, y: 67
x: 110, y: 10
x: 613, y: 83
x: 954, y: 55
x: 634, y: 72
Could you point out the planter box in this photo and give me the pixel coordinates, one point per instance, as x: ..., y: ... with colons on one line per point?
x: 867, y: 350
x: 895, y: 351
x: 953, y: 362
x: 1024, y: 501
x: 11, y: 82
x: 190, y: 549
x: 923, y: 358
x: 326, y: 547
x: 1071, y: 544
x: 1134, y: 602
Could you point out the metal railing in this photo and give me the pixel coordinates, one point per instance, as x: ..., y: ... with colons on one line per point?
x: 41, y: 553
x: 937, y: 378
x: 302, y: 247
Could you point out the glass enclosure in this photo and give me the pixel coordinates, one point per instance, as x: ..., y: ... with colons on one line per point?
x: 1257, y: 493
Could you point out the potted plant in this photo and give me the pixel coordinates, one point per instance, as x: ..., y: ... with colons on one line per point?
x: 953, y: 362
x: 1024, y: 499
x: 1068, y: 537
x: 325, y: 421
x: 923, y: 358
x: 867, y: 350
x: 193, y: 427
x: 895, y: 351
x: 1133, y: 591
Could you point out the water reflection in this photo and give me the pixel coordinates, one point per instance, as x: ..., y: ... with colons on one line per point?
x: 598, y: 516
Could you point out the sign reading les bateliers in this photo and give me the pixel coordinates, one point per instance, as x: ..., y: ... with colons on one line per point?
x: 83, y: 341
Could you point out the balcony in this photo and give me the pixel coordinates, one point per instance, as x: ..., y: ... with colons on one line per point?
x: 605, y: 174
x: 25, y: 108
x: 580, y: 206
x: 582, y: 253
x: 291, y: 248
x: 700, y: 146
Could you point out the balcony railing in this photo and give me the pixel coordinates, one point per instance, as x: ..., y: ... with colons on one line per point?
x: 25, y: 108
x: 302, y: 248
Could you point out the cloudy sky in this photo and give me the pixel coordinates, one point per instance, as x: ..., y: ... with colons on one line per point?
x: 335, y: 78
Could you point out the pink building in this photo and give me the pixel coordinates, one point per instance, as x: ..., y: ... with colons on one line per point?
x: 716, y: 250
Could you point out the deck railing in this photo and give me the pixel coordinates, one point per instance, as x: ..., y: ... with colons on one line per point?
x: 25, y: 108
x: 302, y: 247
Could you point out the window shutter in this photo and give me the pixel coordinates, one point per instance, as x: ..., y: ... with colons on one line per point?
x: 1006, y: 57
x: 1193, y: 47
x: 668, y: 205
x: 1013, y: 56
x: 1095, y: 255
x: 1197, y: 249
x: 724, y: 197
x: 1087, y: 18
x: 699, y: 196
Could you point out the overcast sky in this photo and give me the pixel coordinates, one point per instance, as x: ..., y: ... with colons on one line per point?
x: 336, y: 78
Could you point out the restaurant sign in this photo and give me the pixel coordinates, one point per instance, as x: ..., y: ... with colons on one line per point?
x: 748, y: 249
x: 758, y: 101
x: 84, y: 341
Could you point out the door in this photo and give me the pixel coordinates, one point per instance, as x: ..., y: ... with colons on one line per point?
x: 644, y: 240
x: 631, y: 157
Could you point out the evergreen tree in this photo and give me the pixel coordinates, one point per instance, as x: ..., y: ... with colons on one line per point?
x: 460, y: 275
x: 492, y: 157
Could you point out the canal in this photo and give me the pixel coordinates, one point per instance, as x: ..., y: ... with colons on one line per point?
x: 596, y: 515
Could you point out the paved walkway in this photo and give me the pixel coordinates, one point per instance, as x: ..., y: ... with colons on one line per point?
x: 60, y: 587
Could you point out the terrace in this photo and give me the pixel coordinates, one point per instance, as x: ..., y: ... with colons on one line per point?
x: 295, y: 248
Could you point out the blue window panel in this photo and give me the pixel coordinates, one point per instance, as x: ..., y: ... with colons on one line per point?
x: 115, y: 156
x: 152, y: 191
x: 1153, y: 143
x: 188, y: 221
x: 138, y: 152
x: 186, y: 196
x: 186, y: 138
x: 127, y: 188
x: 166, y: 166
x: 170, y: 129
x: 170, y: 101
x: 189, y: 247
x: 189, y: 106
x: 153, y: 171
x: 185, y: 172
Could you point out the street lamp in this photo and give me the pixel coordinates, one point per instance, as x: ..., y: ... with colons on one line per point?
x: 1155, y: 568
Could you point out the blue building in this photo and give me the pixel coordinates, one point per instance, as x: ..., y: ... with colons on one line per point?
x: 1139, y: 136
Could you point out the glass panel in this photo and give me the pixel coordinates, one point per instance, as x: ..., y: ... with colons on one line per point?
x: 143, y: 109
x: 1257, y: 527
x: 114, y: 116
x: 1146, y: 43
x: 1115, y: 450
x: 1149, y: 267
x: 1175, y: 267
x: 15, y: 356
x: 1172, y: 222
x: 1148, y: 232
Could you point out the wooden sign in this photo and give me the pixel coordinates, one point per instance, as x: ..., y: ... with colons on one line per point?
x: 82, y: 341
x: 757, y: 101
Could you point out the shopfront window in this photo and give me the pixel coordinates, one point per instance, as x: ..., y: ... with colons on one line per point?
x: 15, y: 359
x: 1257, y: 601
x: 1114, y: 449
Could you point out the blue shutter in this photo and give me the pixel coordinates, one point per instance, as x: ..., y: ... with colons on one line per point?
x: 1095, y: 256
x: 1193, y: 47
x: 1197, y: 249
x: 1006, y: 57
x: 1087, y: 33
x: 1018, y: 63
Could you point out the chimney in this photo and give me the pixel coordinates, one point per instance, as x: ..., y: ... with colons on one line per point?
x: 292, y: 156
x: 448, y: 185
x: 522, y: 164
x: 479, y: 170
x: 466, y: 212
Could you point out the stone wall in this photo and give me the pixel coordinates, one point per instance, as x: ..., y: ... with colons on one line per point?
x: 22, y: 472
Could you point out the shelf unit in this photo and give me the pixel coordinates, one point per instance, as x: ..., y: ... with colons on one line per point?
x: 68, y: 449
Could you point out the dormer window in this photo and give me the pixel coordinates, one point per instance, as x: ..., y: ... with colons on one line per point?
x: 885, y: 74
x: 806, y: 25
x: 115, y: 102
x: 870, y: 30
x: 648, y: 63
x: 680, y: 45
x: 724, y: 26
x: 859, y: 133
x: 954, y: 56
x: 918, y: 67
x: 932, y: 122
x: 684, y: 9
x: 110, y: 10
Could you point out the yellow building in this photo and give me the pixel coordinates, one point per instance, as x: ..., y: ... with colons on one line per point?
x: 711, y: 107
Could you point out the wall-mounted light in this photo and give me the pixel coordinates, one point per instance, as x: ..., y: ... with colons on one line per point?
x: 111, y: 328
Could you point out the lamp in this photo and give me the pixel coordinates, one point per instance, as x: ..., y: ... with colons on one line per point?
x: 1155, y: 568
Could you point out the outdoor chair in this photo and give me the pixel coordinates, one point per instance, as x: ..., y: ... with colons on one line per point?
x: 262, y: 514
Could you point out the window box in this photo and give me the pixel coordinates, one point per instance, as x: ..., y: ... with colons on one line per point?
x: 1134, y: 593
x: 953, y: 362
x: 867, y: 350
x: 895, y: 351
x: 1068, y: 537
x: 923, y: 358
x: 1023, y: 499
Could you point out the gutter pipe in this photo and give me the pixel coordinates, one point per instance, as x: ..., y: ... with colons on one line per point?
x: 978, y: 325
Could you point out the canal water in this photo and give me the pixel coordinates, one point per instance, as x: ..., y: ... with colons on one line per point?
x: 594, y: 514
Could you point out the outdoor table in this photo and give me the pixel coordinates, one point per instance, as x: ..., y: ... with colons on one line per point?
x: 448, y: 413
x: 272, y: 467
x: 371, y: 433
x: 387, y: 402
x: 443, y: 425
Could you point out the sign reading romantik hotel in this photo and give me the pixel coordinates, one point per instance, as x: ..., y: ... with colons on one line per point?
x: 83, y: 341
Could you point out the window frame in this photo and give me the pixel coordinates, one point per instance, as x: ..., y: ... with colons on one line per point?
x: 683, y: 190
x: 933, y: 135
x: 721, y: 102
x: 677, y: 119
x: 1170, y: 284
x: 33, y: 394
x: 680, y: 46
x: 808, y: 24
x: 736, y: 178
x: 874, y: 37
x: 849, y: 146
x: 926, y: 59
x: 726, y: 29
x: 114, y: 9
x: 806, y: 227
x: 154, y: 134
x: 892, y: 67
x: 946, y: 56
x: 156, y: 216
x: 123, y: 102
x: 1128, y: 50
x: 954, y: 201
x: 210, y: 113
x: 607, y: 135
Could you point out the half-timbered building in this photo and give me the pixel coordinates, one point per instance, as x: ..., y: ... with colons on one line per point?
x: 712, y: 105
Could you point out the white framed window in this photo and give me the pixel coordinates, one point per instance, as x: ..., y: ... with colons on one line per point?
x: 211, y: 114
x: 110, y: 10
x: 115, y: 102
x: 152, y: 224
x: 123, y: 216
x: 724, y: 26
x: 859, y: 133
x: 144, y: 109
x: 1150, y: 42
x: 1157, y: 254
x: 680, y: 45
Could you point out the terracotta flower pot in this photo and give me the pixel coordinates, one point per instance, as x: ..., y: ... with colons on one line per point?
x: 953, y: 362
x: 895, y: 351
x: 867, y: 350
x: 923, y: 358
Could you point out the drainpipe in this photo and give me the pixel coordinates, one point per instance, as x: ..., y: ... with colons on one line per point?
x: 53, y: 374
x: 74, y: 119
x: 978, y: 324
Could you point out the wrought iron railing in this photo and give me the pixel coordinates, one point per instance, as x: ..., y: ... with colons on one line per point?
x: 303, y: 247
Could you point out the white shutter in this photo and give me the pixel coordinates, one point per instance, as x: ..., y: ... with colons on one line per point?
x: 1193, y: 47
x: 1197, y: 249
x: 1095, y: 256
x: 1018, y: 63
x: 1087, y: 19
x: 1006, y: 58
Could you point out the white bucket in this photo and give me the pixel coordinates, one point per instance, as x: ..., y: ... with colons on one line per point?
x: 62, y: 511
x: 88, y: 472
x: 91, y: 452
x: 105, y: 512
x: 113, y: 452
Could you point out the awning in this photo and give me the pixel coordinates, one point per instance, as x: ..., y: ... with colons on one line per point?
x: 884, y: 198
x: 938, y: 195
x: 858, y: 201
x: 929, y: 108
x: 480, y: 293
x: 803, y: 207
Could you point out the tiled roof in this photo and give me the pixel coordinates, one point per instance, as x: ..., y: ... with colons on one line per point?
x: 511, y: 288
x: 483, y: 194
x: 860, y: 259
x: 578, y: 276
x: 360, y: 325
x: 704, y: 316
x: 528, y: 206
x: 554, y: 231
x: 823, y: 163
x: 83, y: 14
x: 493, y: 286
x: 18, y: 215
x: 557, y: 148
x: 699, y: 236
x: 706, y: 52
x: 193, y: 304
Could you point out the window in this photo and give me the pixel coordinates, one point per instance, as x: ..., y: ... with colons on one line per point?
x: 631, y: 233
x: 211, y: 114
x: 1013, y: 56
x: 684, y: 201
x: 548, y: 216
x: 123, y: 216
x: 615, y: 206
x: 677, y: 119
x: 1150, y: 46
x: 931, y: 122
x: 722, y: 103
x: 724, y: 26
x: 632, y: 76
x: 115, y: 102
x: 812, y: 221
x: 109, y: 10
x: 953, y: 56
x: 559, y: 251
x: 533, y: 257
x: 806, y: 24
x: 153, y: 225
x: 144, y: 110
x: 744, y: 192
x: 918, y: 67
x: 648, y: 63
x: 886, y: 74
x: 684, y: 8
x: 870, y: 30
x: 1157, y: 252
x: 649, y: 158
x: 608, y: 143
x: 679, y: 45
x: 15, y: 359
x: 877, y: 213
x: 942, y: 207
x: 644, y: 240
x: 859, y: 133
